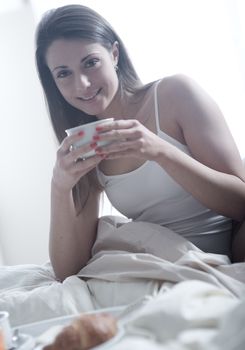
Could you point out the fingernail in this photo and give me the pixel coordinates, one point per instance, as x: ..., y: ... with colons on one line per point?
x: 98, y: 150
x: 81, y: 133
x: 99, y: 128
x: 93, y: 145
x: 96, y: 137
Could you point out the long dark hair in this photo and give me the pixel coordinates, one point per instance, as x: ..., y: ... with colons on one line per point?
x: 77, y: 22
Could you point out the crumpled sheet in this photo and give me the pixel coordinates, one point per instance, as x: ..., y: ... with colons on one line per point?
x: 179, y: 297
x: 192, y: 315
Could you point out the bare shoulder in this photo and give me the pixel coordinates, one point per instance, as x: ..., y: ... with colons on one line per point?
x: 171, y: 93
x: 176, y: 88
x: 174, y: 81
x: 201, y: 121
x: 189, y: 102
x: 178, y: 98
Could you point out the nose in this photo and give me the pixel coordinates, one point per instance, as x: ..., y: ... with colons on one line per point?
x: 82, y: 82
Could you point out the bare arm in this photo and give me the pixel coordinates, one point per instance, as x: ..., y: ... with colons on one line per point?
x: 71, y: 235
x: 215, y: 174
x: 221, y: 192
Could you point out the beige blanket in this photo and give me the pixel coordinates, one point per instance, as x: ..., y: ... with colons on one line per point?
x: 177, y: 294
x: 127, y: 251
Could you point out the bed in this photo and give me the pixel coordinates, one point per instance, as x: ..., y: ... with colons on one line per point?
x: 166, y: 293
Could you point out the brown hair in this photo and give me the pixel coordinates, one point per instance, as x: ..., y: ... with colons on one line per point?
x: 77, y: 22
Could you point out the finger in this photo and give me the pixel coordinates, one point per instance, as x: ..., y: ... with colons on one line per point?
x: 123, y: 154
x: 69, y: 141
x: 117, y: 124
x: 81, y: 151
x: 119, y: 134
x: 88, y: 164
x: 120, y: 146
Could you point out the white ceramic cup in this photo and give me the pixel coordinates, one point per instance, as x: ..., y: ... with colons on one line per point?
x: 6, y: 329
x: 89, y: 131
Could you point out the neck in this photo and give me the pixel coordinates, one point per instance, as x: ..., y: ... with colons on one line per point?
x: 119, y: 107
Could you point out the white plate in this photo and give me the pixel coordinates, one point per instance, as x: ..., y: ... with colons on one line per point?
x: 103, y: 346
x: 35, y: 330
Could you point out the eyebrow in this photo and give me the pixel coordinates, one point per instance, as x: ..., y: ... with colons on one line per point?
x: 82, y: 60
x: 58, y: 67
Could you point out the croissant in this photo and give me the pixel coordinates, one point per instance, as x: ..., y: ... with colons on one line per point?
x: 85, y: 332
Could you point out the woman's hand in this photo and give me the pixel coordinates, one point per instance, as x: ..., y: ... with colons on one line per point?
x: 70, y: 166
x: 129, y: 139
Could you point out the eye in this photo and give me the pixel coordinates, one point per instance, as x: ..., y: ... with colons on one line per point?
x: 63, y: 74
x: 92, y: 62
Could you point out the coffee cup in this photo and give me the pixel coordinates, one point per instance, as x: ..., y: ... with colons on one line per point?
x: 89, y: 131
x: 5, y: 330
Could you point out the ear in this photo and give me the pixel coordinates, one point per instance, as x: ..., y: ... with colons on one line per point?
x: 115, y: 53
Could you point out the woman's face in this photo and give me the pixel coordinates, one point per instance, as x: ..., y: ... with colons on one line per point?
x: 84, y: 73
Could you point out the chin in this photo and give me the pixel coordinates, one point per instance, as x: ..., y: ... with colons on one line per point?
x: 98, y: 107
x: 100, y: 110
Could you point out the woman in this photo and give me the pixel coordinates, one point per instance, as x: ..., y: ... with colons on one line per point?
x: 169, y: 133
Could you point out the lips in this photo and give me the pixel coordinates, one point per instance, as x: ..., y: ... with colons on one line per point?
x: 89, y: 97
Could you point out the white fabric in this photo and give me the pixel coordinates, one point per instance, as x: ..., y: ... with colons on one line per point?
x: 179, y: 295
x: 192, y: 316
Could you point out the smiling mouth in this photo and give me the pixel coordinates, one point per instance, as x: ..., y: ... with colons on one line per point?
x: 89, y: 98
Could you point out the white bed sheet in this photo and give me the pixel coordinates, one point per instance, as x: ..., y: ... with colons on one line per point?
x: 178, y: 297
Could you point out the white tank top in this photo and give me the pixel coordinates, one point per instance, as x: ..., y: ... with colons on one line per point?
x: 150, y: 194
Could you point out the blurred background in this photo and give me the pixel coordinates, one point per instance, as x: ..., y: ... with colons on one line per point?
x: 204, y: 39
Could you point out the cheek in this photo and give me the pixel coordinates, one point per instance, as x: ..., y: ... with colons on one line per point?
x: 111, y: 78
x: 66, y: 94
x: 64, y: 90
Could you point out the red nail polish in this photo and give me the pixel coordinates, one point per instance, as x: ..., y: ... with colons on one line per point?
x: 81, y: 133
x: 96, y: 137
x: 93, y: 145
x: 99, y: 128
x: 98, y: 150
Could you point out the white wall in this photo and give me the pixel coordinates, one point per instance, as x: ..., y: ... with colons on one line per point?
x: 26, y: 144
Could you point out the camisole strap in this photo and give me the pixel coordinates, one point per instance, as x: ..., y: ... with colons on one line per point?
x: 156, y: 107
x: 158, y: 129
